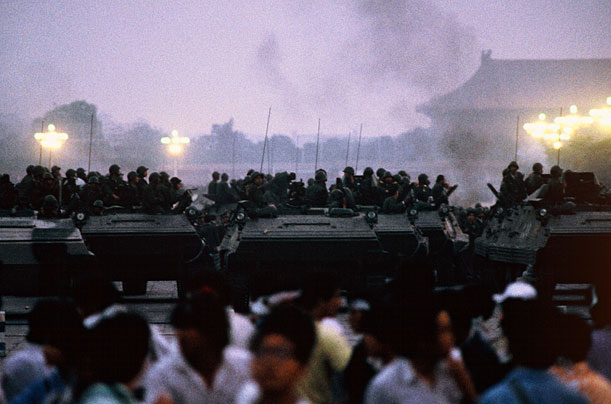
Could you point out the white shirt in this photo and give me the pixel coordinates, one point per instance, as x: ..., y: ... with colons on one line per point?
x: 241, y: 329
x: 250, y: 393
x: 174, y: 377
x: 23, y: 367
x: 398, y: 383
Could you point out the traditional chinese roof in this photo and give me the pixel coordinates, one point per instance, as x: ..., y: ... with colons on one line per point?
x: 529, y: 84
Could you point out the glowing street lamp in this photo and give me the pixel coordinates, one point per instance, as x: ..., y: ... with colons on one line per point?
x: 175, y: 145
x: 603, y: 115
x: 51, y: 139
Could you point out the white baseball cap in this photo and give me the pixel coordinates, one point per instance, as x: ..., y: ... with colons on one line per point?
x: 517, y: 290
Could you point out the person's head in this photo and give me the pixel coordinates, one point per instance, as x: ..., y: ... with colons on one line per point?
x: 176, y: 183
x: 202, y: 329
x: 224, y: 177
x: 93, y: 182
x: 29, y: 169
x: 164, y: 177
x: 70, y: 173
x: 132, y: 177
x: 513, y: 167
x: 538, y: 168
x: 349, y: 172
x: 380, y: 172
x: 154, y: 178
x: 368, y: 172
x: 556, y: 172
x: 572, y: 337
x: 80, y: 172
x: 114, y: 170
x: 55, y: 324
x: 142, y: 171
x: 117, y: 347
x: 440, y: 179
x: 321, y: 294
x: 423, y: 179
x: 358, y: 308
x: 320, y: 176
x: 527, y: 324
x: 282, y: 345
x: 56, y: 170
x: 216, y: 176
x: 471, y: 215
x: 210, y: 281
x: 388, y: 178
x: 49, y: 206
x: 38, y: 172
x: 256, y: 178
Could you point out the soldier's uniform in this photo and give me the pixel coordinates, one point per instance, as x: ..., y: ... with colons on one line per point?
x: 153, y: 200
x: 91, y: 192
x: 367, y: 190
x: 534, y: 179
x: 422, y: 192
x: 212, y: 186
x: 112, y: 186
x: 513, y: 189
x: 392, y: 205
x: 316, y: 194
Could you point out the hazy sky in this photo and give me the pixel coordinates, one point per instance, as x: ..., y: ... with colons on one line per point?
x: 189, y: 64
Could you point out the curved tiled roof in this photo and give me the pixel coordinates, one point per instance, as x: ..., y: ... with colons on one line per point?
x: 517, y: 84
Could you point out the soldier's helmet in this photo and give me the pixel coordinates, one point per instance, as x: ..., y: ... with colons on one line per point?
x: 224, y: 177
x: 320, y: 176
x: 131, y: 175
x: 175, y: 181
x: 254, y: 175
x: 537, y: 167
x: 38, y: 171
x: 114, y: 169
x: 164, y: 176
x: 98, y: 204
x: 70, y: 173
x: 154, y: 178
x: 216, y: 175
x: 380, y: 172
x: 368, y: 171
x: 349, y: 170
x: 440, y: 178
x: 29, y: 169
x: 403, y: 173
x: 423, y: 179
x: 555, y: 171
x: 80, y: 171
x: 397, y: 178
x: 141, y: 170
x: 55, y: 168
x: 93, y: 180
x: 387, y: 174
x: 513, y: 164
x: 49, y: 202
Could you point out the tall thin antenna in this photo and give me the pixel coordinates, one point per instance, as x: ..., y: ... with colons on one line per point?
x: 233, y: 156
x: 269, y: 114
x: 515, y: 157
x: 348, y: 148
x: 42, y: 129
x: 358, y: 149
x: 90, y: 144
x: 296, y: 154
x: 317, y: 141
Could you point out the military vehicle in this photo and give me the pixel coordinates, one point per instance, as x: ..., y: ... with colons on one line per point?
x: 446, y: 240
x: 40, y: 256
x: 398, y: 235
x: 550, y: 243
x: 137, y: 247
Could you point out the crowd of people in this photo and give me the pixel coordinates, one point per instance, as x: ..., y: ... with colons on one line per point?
x: 461, y: 345
x: 53, y: 195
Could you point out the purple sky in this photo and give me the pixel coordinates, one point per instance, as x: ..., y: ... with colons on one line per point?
x: 189, y: 64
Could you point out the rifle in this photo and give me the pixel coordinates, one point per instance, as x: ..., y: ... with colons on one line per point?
x: 491, y: 187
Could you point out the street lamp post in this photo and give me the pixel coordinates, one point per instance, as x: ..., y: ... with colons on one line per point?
x: 175, y: 146
x: 50, y: 140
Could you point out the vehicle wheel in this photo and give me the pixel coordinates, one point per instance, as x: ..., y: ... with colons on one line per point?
x: 134, y: 287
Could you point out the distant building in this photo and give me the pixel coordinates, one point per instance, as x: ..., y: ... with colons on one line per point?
x: 485, y: 108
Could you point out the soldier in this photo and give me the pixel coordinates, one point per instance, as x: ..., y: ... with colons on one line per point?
x: 317, y: 194
x: 130, y: 195
x: 422, y: 190
x: 92, y: 192
x: 143, y: 173
x: 56, y: 171
x: 49, y: 186
x: 442, y: 190
x: 112, y: 186
x: 280, y: 186
x: 255, y: 191
x: 153, y: 201
x: 367, y: 189
x: 28, y: 174
x: 97, y: 209
x: 223, y: 193
x: 392, y: 204
x: 8, y: 194
x: 49, y: 208
x: 348, y: 180
x: 554, y: 193
x: 513, y: 189
x: 165, y: 188
x: 212, y: 186
x: 534, y: 179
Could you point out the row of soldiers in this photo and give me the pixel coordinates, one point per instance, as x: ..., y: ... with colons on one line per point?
x: 47, y: 191
x: 392, y: 193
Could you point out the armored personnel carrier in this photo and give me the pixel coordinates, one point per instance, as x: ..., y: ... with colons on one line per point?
x: 137, y: 247
x: 40, y: 256
x: 446, y: 241
x: 398, y: 235
x: 566, y: 242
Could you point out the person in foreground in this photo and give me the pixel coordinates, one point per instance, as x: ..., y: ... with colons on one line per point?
x: 282, y: 346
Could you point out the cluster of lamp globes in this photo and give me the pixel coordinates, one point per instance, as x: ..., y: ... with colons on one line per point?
x: 51, y: 139
x: 563, y: 127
